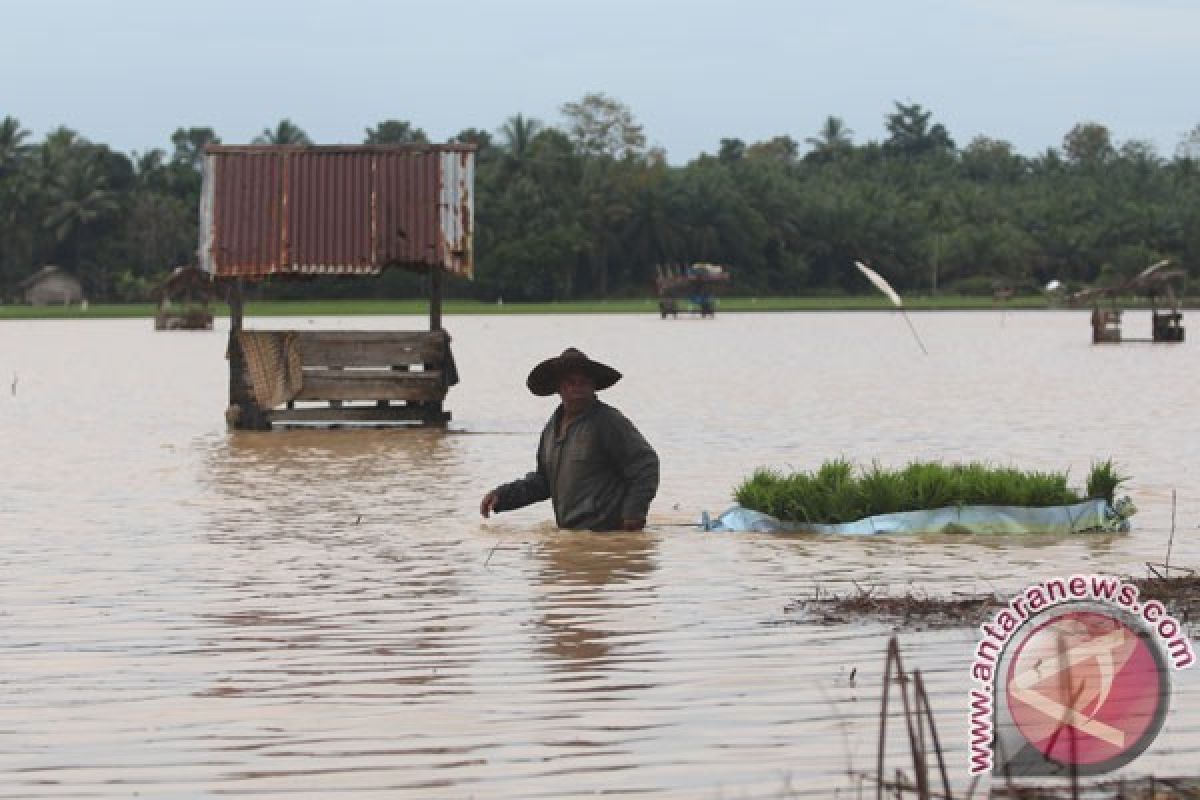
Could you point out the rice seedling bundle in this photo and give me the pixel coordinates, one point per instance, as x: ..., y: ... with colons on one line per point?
x: 836, y: 492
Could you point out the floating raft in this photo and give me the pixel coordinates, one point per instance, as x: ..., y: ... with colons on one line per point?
x: 1090, y: 516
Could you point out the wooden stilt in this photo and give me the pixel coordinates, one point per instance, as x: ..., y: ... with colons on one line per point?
x: 432, y: 413
x: 243, y: 412
x: 235, y: 306
x: 435, y: 299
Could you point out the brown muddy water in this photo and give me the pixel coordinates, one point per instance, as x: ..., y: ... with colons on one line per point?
x: 189, y: 612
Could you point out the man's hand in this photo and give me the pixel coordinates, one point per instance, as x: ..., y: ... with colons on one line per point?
x: 633, y: 524
x: 488, y: 504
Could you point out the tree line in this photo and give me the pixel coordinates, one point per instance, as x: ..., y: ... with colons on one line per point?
x: 586, y: 209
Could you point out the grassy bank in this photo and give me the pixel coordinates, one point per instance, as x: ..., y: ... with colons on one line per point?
x: 347, y: 308
x: 837, y: 492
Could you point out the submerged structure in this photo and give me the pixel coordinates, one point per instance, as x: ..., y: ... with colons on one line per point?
x: 1153, y: 283
x: 184, y: 301
x: 297, y: 213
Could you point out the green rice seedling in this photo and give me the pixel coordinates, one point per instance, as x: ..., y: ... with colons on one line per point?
x: 881, y: 488
x: 1008, y: 487
x: 982, y: 484
x: 987, y: 485
x: 802, y: 497
x: 837, y: 492
x: 930, y: 485
x: 845, y: 506
x: 835, y: 474
x: 1104, y: 480
x: 1048, y: 489
x: 776, y: 497
x: 759, y: 490
x: 978, y: 484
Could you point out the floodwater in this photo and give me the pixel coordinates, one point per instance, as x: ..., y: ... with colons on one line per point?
x: 190, y: 612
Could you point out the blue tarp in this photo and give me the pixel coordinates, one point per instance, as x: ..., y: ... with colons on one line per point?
x: 1090, y: 516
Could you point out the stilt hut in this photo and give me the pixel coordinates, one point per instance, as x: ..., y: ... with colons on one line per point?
x: 306, y: 212
x: 1153, y: 283
x: 184, y: 301
x: 1166, y: 320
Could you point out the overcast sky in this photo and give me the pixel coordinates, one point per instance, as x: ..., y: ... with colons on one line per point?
x: 129, y: 72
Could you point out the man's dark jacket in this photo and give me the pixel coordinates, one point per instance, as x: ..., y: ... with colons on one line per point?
x: 599, y: 473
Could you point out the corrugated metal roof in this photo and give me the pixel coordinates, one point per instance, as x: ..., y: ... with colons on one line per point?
x: 282, y: 210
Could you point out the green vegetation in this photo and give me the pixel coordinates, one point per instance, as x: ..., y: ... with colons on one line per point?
x: 585, y: 210
x: 349, y: 308
x: 836, y: 492
x: 1104, y: 480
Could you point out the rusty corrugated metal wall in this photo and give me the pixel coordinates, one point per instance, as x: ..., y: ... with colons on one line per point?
x: 268, y: 210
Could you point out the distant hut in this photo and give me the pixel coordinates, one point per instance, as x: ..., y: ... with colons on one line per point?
x: 50, y: 286
x: 183, y: 300
x: 1157, y: 284
x: 1153, y: 283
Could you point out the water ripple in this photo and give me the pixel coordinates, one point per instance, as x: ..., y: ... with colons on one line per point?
x: 189, y: 612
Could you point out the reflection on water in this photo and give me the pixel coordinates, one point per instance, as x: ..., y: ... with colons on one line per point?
x: 582, y: 576
x: 314, y: 573
x: 190, y: 612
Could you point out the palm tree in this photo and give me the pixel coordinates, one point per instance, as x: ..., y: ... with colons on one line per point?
x: 60, y: 146
x: 285, y: 133
x: 78, y: 197
x: 76, y: 201
x: 15, y: 186
x: 517, y: 134
x: 12, y: 146
x: 834, y: 137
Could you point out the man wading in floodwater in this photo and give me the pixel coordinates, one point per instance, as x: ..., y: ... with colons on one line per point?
x: 592, y: 463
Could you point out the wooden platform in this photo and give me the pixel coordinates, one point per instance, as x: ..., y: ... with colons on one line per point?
x: 331, y: 377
